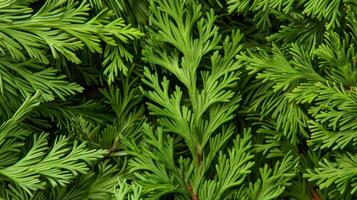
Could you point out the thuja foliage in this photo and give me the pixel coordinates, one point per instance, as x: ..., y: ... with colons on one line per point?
x: 178, y: 99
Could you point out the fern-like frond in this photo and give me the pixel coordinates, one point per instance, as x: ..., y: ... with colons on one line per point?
x: 56, y: 166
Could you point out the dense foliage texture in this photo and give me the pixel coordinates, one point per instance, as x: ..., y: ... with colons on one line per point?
x: 178, y: 99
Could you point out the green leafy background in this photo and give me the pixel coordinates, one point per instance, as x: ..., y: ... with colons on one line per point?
x: 178, y: 99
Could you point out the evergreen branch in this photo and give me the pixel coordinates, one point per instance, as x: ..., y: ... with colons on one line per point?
x: 233, y: 168
x: 11, y: 128
x: 127, y: 192
x: 63, y: 113
x: 273, y: 181
x: 62, y: 30
x: 58, y: 166
x: 96, y: 184
x: 28, y: 77
x: 337, y: 107
x: 337, y: 57
x: 243, y: 6
x: 325, y: 10
x: 155, y: 166
x: 340, y: 173
x: 323, y: 138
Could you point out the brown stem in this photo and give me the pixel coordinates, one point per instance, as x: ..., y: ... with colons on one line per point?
x: 195, y: 196
x: 315, y: 195
x: 199, y: 155
x: 112, y: 149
